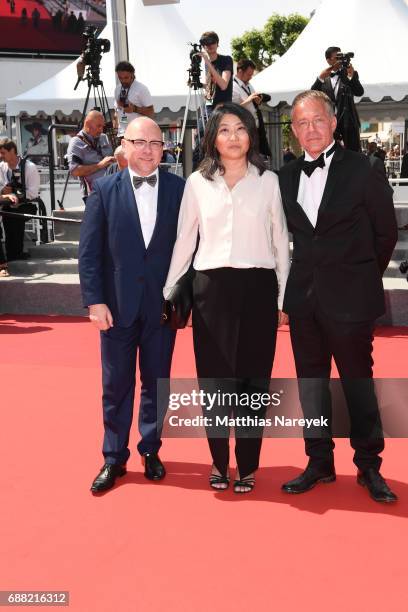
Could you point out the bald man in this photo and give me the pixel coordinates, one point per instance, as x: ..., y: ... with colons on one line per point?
x: 120, y: 161
x: 127, y: 239
x: 89, y: 152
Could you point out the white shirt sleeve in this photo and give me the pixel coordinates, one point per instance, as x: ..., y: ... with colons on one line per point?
x: 280, y: 240
x: 238, y: 95
x: 187, y: 232
x: 32, y: 181
x: 140, y: 95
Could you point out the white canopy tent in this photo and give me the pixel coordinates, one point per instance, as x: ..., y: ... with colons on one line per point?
x: 158, y: 48
x: 376, y: 31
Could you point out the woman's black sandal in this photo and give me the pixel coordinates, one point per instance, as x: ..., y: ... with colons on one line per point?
x: 217, y: 479
x: 248, y: 482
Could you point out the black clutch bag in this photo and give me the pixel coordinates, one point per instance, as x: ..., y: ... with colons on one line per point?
x: 177, y: 308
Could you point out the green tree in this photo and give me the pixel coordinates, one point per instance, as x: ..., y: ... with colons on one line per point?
x: 264, y: 46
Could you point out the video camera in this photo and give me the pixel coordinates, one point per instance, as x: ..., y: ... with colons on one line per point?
x: 91, y: 57
x: 194, y: 71
x: 94, y: 47
x: 344, y: 59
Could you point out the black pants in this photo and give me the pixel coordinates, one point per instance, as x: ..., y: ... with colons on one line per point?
x: 350, y: 137
x: 315, y: 340
x: 234, y: 331
x: 14, y: 229
x: 2, y: 256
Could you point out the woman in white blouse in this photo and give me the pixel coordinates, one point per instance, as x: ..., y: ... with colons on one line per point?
x: 233, y: 204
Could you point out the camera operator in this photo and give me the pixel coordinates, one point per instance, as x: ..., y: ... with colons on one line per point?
x: 19, y: 188
x: 340, y: 83
x: 132, y: 98
x: 244, y: 94
x: 89, y: 152
x: 218, y: 70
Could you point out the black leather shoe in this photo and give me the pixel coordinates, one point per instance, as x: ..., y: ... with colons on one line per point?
x: 153, y: 467
x: 107, y: 476
x: 376, y: 485
x: 308, y: 479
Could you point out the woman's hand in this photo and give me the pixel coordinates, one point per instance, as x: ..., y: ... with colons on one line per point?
x: 283, y: 318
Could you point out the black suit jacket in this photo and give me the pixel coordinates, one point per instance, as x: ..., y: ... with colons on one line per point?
x: 339, y: 263
x: 356, y: 89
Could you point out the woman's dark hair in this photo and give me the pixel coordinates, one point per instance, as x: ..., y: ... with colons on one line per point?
x: 211, y: 161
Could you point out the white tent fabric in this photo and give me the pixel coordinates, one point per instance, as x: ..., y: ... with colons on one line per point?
x: 57, y: 93
x: 376, y: 31
x: 158, y: 48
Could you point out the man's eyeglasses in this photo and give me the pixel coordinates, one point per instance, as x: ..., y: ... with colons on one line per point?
x: 155, y: 145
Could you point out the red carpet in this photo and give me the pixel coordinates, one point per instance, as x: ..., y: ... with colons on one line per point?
x: 177, y: 545
x: 18, y: 36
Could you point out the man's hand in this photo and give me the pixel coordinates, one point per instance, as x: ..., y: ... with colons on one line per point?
x: 327, y: 72
x: 13, y: 199
x: 205, y: 57
x: 255, y: 97
x: 350, y: 71
x: 6, y: 189
x: 283, y: 318
x: 101, y: 316
x: 106, y: 161
x: 130, y: 108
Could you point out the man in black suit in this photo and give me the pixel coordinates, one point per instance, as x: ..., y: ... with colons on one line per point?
x: 340, y: 211
x: 341, y: 85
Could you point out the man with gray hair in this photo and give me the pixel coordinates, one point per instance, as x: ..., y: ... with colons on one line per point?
x: 340, y: 211
x: 121, y: 162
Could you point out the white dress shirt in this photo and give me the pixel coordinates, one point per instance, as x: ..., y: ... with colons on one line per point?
x: 146, y: 202
x: 243, y: 227
x: 240, y: 92
x: 335, y: 82
x: 311, y: 188
x: 31, y: 174
x: 139, y: 95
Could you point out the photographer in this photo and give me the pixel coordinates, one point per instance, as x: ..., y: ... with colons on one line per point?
x: 244, y: 94
x: 89, y: 152
x: 218, y: 70
x: 19, y: 187
x: 132, y: 98
x: 340, y: 83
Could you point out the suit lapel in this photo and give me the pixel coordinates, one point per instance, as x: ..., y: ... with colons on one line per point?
x: 127, y: 196
x: 333, y: 178
x: 294, y: 183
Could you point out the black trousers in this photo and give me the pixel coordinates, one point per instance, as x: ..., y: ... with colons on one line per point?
x: 315, y: 340
x: 235, y: 319
x: 14, y: 229
x: 350, y: 137
x: 2, y: 256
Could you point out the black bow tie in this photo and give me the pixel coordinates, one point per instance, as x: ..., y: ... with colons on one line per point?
x: 139, y: 180
x: 309, y: 167
x: 333, y: 74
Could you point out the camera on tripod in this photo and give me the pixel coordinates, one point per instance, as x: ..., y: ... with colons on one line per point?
x: 194, y: 71
x: 94, y: 47
x: 344, y: 59
x: 91, y: 57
